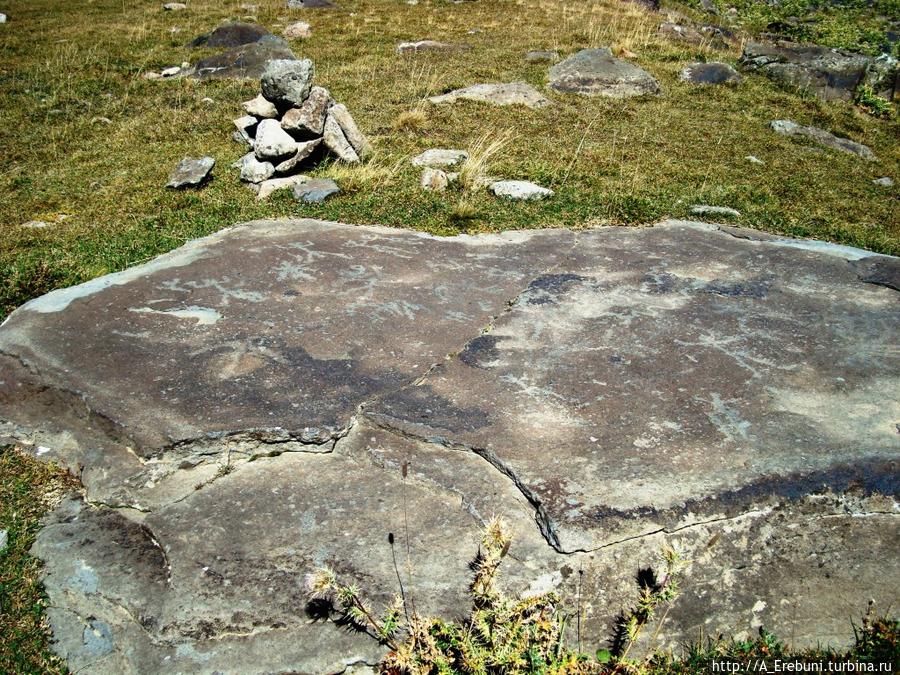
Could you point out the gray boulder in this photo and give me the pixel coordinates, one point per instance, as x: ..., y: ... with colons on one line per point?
x: 286, y: 82
x: 512, y: 93
x: 440, y: 158
x: 315, y: 190
x: 232, y: 35
x: 308, y: 118
x: 272, y: 142
x: 822, y: 137
x: 351, y: 132
x: 254, y: 171
x: 191, y: 172
x: 260, y: 107
x: 336, y: 141
x: 709, y: 73
x: 596, y: 72
x: 247, y: 61
x: 520, y: 190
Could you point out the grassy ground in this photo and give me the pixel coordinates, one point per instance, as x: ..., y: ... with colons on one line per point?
x: 28, y: 489
x: 64, y: 65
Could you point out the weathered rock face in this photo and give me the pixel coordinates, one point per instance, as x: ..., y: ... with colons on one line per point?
x: 512, y: 93
x: 287, y: 83
x: 822, y: 137
x: 709, y: 73
x: 636, y: 386
x: 596, y: 72
x: 233, y: 35
x: 247, y: 61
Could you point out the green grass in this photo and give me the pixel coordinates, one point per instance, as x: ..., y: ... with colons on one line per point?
x: 65, y: 65
x: 28, y: 489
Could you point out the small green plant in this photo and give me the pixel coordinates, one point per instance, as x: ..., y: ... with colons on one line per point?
x: 872, y: 103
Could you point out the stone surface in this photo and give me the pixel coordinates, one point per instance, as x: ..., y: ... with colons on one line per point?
x: 174, y: 6
x: 674, y: 384
x: 309, y: 118
x: 828, y: 73
x: 298, y: 30
x: 255, y: 171
x: 171, y: 71
x: 707, y: 210
x: 354, y: 136
x: 429, y: 46
x: 337, y: 142
x: 247, y: 61
x: 304, y: 151
x: 191, y: 172
x: 232, y: 35
x: 287, y: 83
x: 260, y: 107
x: 541, y: 56
x: 265, y: 189
x: 822, y: 137
x: 434, y: 180
x: 311, y: 4
x: 697, y: 34
x: 596, y: 72
x: 440, y: 158
x: 272, y: 143
x: 4, y: 534
x: 3, y: 18
x: 709, y: 73
x: 884, y: 181
x: 520, y: 189
x: 513, y: 93
x: 315, y: 190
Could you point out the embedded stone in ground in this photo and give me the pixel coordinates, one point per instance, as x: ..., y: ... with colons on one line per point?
x: 822, y: 137
x: 191, y: 172
x: 513, y: 93
x: 596, y: 72
x: 244, y: 62
x: 709, y: 73
x: 233, y: 35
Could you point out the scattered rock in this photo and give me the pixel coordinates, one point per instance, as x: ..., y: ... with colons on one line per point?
x: 754, y: 160
x: 36, y: 224
x: 434, y: 180
x: 233, y: 35
x: 171, y: 71
x: 709, y: 73
x: 191, y: 172
x: 884, y: 181
x: 828, y: 73
x: 265, y: 189
x: 428, y: 46
x: 101, y: 120
x: 3, y: 18
x: 706, y: 210
x: 351, y: 132
x: 315, y: 190
x: 247, y: 61
x: 520, y: 190
x: 304, y: 152
x: 246, y: 128
x: 542, y: 56
x: 309, y: 118
x: 696, y: 34
x: 261, y: 107
x: 298, y: 30
x: 4, y: 534
x: 287, y: 83
x: 513, y: 93
x: 829, y: 140
x: 254, y: 171
x: 174, y: 6
x: 596, y: 72
x: 272, y: 143
x: 151, y: 75
x: 311, y: 4
x: 337, y: 142
x: 440, y: 157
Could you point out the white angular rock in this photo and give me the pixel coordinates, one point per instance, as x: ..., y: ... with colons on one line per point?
x: 884, y: 181
x: 309, y: 118
x: 304, y: 152
x: 298, y: 30
x: 337, y: 142
x: 520, y: 190
x: 254, y: 171
x: 260, y: 107
x: 351, y: 132
x: 707, y: 210
x: 174, y: 6
x: 434, y: 180
x: 440, y: 157
x: 2, y: 18
x: 265, y: 189
x: 511, y: 93
x: 170, y: 71
x: 272, y: 142
x: 754, y: 159
x: 191, y: 172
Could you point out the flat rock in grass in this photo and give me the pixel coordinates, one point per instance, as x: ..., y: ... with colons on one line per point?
x: 697, y: 34
x: 174, y: 6
x: 3, y: 18
x: 512, y: 93
x: 287, y: 83
x: 440, y: 158
x: 522, y: 190
x: 315, y: 190
x: 434, y: 180
x: 265, y: 189
x: 260, y: 107
x: 596, y: 72
x: 638, y: 393
x: 311, y: 4
x: 829, y: 74
x: 822, y: 137
x: 354, y: 136
x: 707, y: 210
x: 884, y: 181
x: 709, y: 73
x: 255, y: 171
x: 337, y: 142
x: 429, y: 46
x: 246, y: 61
x: 232, y: 35
x: 304, y: 151
x: 298, y: 30
x: 542, y: 56
x: 191, y: 172
x: 309, y: 117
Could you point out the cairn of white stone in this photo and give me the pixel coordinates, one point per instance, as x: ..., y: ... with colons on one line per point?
x: 291, y: 126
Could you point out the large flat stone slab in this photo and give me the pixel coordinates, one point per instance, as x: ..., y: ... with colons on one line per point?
x: 240, y: 411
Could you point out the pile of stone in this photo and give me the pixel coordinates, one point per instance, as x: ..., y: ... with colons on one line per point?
x: 292, y: 125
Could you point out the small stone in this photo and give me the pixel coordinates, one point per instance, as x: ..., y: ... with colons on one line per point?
x: 884, y: 181
x: 265, y: 189
x: 298, y: 30
x: 174, y: 6
x: 191, y: 172
x: 596, y: 72
x: 3, y: 19
x: 337, y: 142
x: 310, y: 4
x: 287, y: 83
x: 440, y: 157
x: 351, y: 132
x: 254, y: 171
x: 151, y: 75
x: 309, y: 118
x: 706, y: 210
x: 428, y: 46
x: 520, y: 190
x: 101, y: 120
x: 171, y: 71
x: 512, y: 93
x: 542, y: 56
x: 709, y: 73
x: 434, y: 180
x: 304, y: 152
x: 4, y: 534
x: 829, y: 140
x: 272, y: 142
x: 754, y: 160
x: 260, y: 107
x: 207, y: 100
x: 246, y: 128
x: 36, y: 224
x: 315, y: 190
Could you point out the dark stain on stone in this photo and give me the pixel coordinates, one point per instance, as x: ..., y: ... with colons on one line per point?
x: 879, y: 270
x: 757, y: 288
x: 480, y: 351
x: 422, y: 406
x: 547, y: 287
x: 661, y: 283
